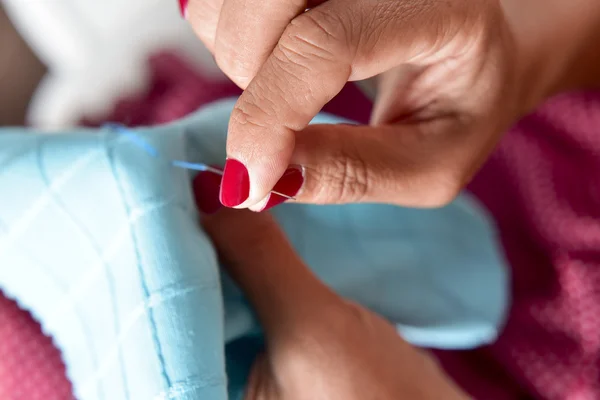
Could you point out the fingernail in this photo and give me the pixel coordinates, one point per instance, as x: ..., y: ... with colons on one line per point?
x: 289, y: 184
x: 206, y: 186
x: 183, y: 7
x: 235, y: 187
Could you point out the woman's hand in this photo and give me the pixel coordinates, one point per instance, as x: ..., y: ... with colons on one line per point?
x: 453, y: 76
x: 319, y: 346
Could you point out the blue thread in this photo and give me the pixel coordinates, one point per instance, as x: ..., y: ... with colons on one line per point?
x: 152, y: 151
x: 137, y: 139
x: 189, y: 165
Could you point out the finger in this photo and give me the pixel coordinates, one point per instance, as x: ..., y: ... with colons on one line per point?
x: 317, y: 54
x: 248, y: 31
x: 281, y: 288
x: 417, y: 165
x: 203, y: 16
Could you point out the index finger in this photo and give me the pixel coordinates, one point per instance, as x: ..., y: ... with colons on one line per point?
x: 259, y: 258
x: 308, y: 67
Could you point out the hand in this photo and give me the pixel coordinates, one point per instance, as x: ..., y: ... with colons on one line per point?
x: 453, y: 75
x: 319, y: 346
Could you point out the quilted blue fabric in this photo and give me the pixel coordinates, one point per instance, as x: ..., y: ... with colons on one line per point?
x: 101, y: 243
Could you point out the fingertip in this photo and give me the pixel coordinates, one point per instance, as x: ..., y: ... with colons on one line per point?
x: 261, y: 205
x: 250, y: 187
x: 247, y: 183
x: 183, y: 8
x: 235, y: 186
x: 288, y: 186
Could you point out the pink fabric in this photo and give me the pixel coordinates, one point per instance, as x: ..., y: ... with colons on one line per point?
x: 543, y: 187
x: 177, y: 90
x: 30, y: 366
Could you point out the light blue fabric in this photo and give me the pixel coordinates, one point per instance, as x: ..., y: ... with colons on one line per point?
x: 101, y: 242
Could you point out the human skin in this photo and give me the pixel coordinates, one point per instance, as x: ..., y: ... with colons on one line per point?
x: 452, y: 77
x: 318, y: 345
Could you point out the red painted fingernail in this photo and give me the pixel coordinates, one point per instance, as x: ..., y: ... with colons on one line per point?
x: 206, y: 186
x: 235, y: 187
x: 289, y: 184
x: 183, y: 7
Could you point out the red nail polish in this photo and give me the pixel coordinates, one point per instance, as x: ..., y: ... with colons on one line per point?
x: 235, y: 187
x: 183, y: 7
x: 289, y: 184
x: 206, y: 186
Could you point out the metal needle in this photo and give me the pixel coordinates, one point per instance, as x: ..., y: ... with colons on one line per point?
x: 216, y: 171
x: 204, y: 167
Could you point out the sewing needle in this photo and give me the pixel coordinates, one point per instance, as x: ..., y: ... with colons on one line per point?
x: 205, y: 167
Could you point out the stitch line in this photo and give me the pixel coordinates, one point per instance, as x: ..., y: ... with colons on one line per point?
x: 82, y: 284
x: 27, y: 305
x: 141, y: 272
x: 22, y: 224
x: 190, y: 384
x: 156, y: 299
x: 27, y: 253
x: 95, y: 248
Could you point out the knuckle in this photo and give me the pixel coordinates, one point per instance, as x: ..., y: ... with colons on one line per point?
x: 311, y: 36
x: 249, y: 112
x: 346, y: 179
x: 372, y: 30
x: 389, y: 15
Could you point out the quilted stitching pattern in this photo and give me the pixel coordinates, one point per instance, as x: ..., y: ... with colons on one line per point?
x: 106, y: 252
x: 44, y: 212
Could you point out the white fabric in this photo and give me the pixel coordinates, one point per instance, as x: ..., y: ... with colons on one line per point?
x: 96, y: 51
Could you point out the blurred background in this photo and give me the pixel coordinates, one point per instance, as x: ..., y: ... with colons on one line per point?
x: 20, y: 73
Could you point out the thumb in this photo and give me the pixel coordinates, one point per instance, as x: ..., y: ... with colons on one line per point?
x: 414, y: 165
x: 259, y: 258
